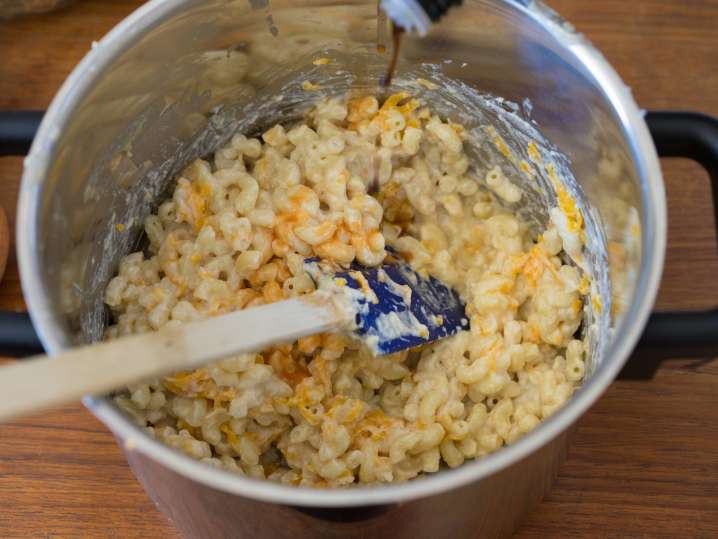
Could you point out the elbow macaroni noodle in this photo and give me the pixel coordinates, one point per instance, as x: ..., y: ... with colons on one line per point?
x: 350, y: 179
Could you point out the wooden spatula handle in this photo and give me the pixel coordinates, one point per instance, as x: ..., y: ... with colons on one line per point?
x: 41, y: 382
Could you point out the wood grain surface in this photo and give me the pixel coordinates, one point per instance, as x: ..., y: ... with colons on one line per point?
x: 645, y: 458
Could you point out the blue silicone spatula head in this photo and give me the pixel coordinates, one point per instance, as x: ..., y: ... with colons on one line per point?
x: 396, y: 308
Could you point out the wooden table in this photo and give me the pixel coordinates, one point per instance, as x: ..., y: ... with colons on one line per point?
x: 645, y: 458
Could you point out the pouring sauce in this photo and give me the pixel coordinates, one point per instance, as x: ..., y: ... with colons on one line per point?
x: 396, y: 34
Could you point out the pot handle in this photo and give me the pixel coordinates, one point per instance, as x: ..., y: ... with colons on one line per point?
x: 17, y: 334
x: 17, y: 129
x: 680, y: 334
x: 18, y: 337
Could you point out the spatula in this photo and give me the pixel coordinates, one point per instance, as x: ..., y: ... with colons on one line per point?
x: 391, y: 308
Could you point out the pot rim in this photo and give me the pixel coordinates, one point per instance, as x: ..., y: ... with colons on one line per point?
x: 629, y: 329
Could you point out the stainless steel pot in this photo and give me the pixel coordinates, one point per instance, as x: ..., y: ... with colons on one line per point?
x: 172, y: 82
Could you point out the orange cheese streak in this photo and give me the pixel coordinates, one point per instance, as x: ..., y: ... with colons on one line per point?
x: 295, y: 377
x: 533, y: 264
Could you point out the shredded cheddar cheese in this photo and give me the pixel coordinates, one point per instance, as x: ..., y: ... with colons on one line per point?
x: 597, y: 303
x: 500, y: 143
x: 534, y: 153
x: 309, y: 86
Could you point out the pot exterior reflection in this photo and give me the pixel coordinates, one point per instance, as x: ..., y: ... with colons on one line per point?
x: 492, y: 508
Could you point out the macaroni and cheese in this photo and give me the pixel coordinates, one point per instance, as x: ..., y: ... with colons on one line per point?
x: 352, y: 178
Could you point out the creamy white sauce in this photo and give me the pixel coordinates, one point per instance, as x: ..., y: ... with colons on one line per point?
x: 394, y: 325
x: 348, y: 300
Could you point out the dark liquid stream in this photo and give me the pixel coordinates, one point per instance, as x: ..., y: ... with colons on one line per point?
x: 396, y: 33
